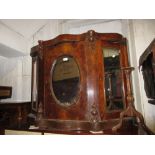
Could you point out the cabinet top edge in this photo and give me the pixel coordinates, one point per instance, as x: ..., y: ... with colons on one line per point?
x: 91, y: 34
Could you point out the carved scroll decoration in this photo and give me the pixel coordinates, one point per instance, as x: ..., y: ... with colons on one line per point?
x: 90, y: 37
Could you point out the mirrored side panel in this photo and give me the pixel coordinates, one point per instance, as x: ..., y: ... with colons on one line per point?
x: 34, y: 95
x: 113, y: 79
x: 65, y: 81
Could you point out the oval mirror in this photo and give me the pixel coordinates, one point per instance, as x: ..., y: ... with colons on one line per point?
x: 65, y: 80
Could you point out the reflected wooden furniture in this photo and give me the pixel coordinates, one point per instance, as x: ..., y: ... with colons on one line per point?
x: 81, y: 85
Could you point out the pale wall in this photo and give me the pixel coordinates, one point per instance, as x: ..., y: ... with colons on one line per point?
x: 12, y: 39
x: 144, y: 33
x: 11, y: 75
x: 16, y: 71
x: 13, y: 46
x: 111, y: 26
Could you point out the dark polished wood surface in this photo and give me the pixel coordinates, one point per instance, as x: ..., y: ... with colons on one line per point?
x: 90, y: 112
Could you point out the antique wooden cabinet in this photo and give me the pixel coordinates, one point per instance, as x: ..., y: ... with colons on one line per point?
x: 81, y: 85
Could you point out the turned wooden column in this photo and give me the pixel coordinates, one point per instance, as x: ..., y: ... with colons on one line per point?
x: 130, y: 99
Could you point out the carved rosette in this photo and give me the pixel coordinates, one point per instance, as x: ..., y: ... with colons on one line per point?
x: 94, y: 113
x: 91, y: 38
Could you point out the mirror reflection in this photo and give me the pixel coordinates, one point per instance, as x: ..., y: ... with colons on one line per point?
x: 65, y: 80
x: 113, y: 79
x: 34, y: 85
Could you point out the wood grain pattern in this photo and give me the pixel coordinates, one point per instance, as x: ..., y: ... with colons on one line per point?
x: 89, y: 113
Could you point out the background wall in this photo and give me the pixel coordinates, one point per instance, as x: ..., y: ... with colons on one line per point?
x: 15, y: 70
x: 15, y: 60
x: 13, y: 47
x: 143, y: 32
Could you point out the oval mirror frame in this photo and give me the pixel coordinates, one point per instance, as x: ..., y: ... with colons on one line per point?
x: 65, y: 80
